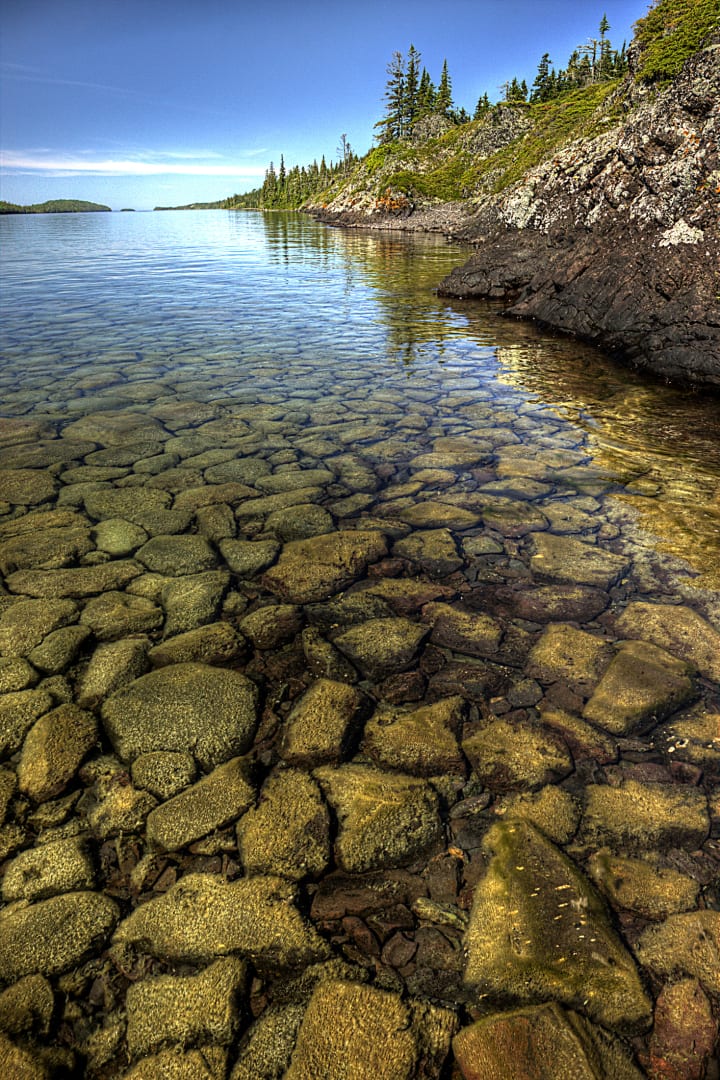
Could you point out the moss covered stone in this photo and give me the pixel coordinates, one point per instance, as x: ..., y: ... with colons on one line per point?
x: 288, y: 834
x: 642, y: 685
x: 212, y: 803
x: 516, y: 756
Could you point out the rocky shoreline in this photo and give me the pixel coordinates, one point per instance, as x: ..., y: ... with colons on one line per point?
x: 403, y: 756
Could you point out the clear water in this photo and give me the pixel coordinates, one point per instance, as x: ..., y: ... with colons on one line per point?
x: 113, y: 312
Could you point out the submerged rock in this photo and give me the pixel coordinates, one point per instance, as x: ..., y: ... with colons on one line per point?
x: 322, y: 725
x: 54, y: 935
x: 380, y: 647
x: 565, y: 560
x: 687, y: 943
x: 215, y: 801
x: 678, y: 629
x: 313, y: 569
x: 516, y: 756
x: 423, y: 742
x: 636, y: 817
x: 288, y: 834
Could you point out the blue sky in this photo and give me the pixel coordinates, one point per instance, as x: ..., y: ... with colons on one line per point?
x: 161, y: 102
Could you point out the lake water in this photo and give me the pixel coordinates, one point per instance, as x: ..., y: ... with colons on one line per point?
x: 321, y: 595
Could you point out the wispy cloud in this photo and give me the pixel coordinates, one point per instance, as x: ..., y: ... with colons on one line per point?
x: 72, y: 166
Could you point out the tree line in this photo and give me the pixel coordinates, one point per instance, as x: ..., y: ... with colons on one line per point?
x: 286, y: 189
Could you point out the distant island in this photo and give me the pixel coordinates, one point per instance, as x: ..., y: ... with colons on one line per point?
x: 220, y: 205
x: 54, y: 206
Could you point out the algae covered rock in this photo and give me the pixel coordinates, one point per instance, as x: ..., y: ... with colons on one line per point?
x: 568, y: 561
x: 516, y: 756
x: 53, y: 750
x: 641, y: 886
x: 54, y: 935
x: 380, y: 647
x: 568, y: 654
x: 322, y: 724
x: 288, y: 834
x: 678, y: 629
x: 313, y: 569
x: 210, y: 804
x: 688, y: 943
x: 538, y: 932
x: 635, y: 817
x: 422, y: 742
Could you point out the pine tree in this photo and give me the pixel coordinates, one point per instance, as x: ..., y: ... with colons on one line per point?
x: 391, y: 127
x: 541, y: 85
x: 426, y: 94
x: 482, y: 106
x: 411, y: 104
x: 443, y: 100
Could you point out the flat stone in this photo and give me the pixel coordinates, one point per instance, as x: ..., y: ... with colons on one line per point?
x: 543, y: 1042
x: 78, y: 581
x: 322, y: 724
x: 116, y: 615
x: 26, y: 623
x: 268, y: 504
x: 53, y: 751
x: 273, y: 625
x: 118, y: 808
x: 439, y: 515
x: 57, y: 867
x: 637, y: 817
x: 215, y: 801
x: 194, y: 708
x: 563, y: 559
x: 118, y: 537
x: 384, y: 819
x: 54, y: 935
x: 16, y: 674
x: 116, y: 428
x: 560, y: 603
x: 433, y: 550
x: 381, y: 647
x: 313, y: 569
x: 45, y: 452
x: 203, y: 917
x: 18, y: 713
x: 693, y: 736
x: 566, y: 654
x: 422, y: 742
x: 347, y: 1022
x: 642, y: 685
x: 59, y: 649
x: 552, y: 810
x: 128, y: 503
x: 112, y: 665
x: 177, y: 555
x: 299, y: 522
x: 26, y: 1006
x: 193, y: 600
x: 405, y: 596
x: 514, y: 517
x: 470, y: 633
x: 248, y: 557
x: 292, y: 479
x: 323, y: 660
x: 585, y: 742
x: 538, y: 931
x: 288, y: 834
x: 346, y: 610
x: 163, y: 773
x: 640, y: 886
x: 268, y: 1044
x: 685, y: 1032
x: 44, y: 549
x: 26, y: 487
x: 216, y: 522
x: 678, y: 629
x: 238, y: 470
x: 186, y: 1010
x: 217, y: 644
x: 8, y: 786
x: 688, y: 943
x: 516, y: 756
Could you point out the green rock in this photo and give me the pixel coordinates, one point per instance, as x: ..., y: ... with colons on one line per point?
x: 59, y: 866
x: 553, y: 811
x: 163, y: 773
x: 212, y: 803
x: 46, y: 549
x: 186, y: 1010
x: 513, y: 517
x: 563, y: 559
x: 188, y: 708
x: 422, y: 742
x: 177, y: 555
x: 687, y: 943
x: 439, y: 515
x: 693, y: 736
x: 313, y: 569
x: 112, y: 665
x: 382, y: 647
x: 323, y: 660
x: 266, y: 1047
x: 77, y: 581
x: 539, y: 932
x: 470, y: 633
x: 639, y: 886
x: 119, y: 537
x: 8, y: 786
x: 271, y: 626
x: 384, y: 819
x: 27, y: 622
x: 53, y: 751
x: 585, y: 742
x: 26, y: 1006
x: 193, y: 600
x: 59, y: 649
x: 26, y: 487
x: 288, y: 834
x: 322, y: 724
x: 642, y: 685
x: 203, y: 916
x: 54, y: 935
x: 293, y: 479
x: 678, y: 629
x: 635, y: 817
x: 566, y: 654
x: 516, y: 756
x: 16, y: 674
x: 117, y: 615
x: 433, y: 550
x: 248, y: 557
x: 18, y: 713
x: 217, y: 644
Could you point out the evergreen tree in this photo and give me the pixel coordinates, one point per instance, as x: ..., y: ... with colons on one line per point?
x: 482, y: 106
x: 443, y: 100
x: 426, y: 94
x: 411, y: 104
x: 391, y: 127
x: 540, y: 88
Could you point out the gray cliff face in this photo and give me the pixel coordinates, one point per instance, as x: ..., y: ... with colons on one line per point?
x: 617, y: 239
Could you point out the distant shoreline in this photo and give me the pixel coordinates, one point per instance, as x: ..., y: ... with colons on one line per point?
x: 55, y: 206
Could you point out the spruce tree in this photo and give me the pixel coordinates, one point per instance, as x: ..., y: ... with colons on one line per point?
x: 443, y: 100
x: 391, y: 127
x: 411, y: 104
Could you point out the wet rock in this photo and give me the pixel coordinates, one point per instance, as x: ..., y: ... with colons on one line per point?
x: 439, y: 515
x: 203, y: 917
x: 18, y: 713
x: 381, y: 647
x: 237, y: 471
x: 299, y: 522
x: 54, y: 935
x: 635, y: 817
x: 292, y: 479
x: 185, y: 1010
x: 130, y: 504
x: 117, y: 808
x: 349, y: 1022
x: 216, y: 644
x: 687, y: 943
x: 26, y: 487
x: 640, y: 886
x: 21, y: 1063
x: 8, y: 785
x: 116, y: 615
x: 538, y: 931
x: 423, y: 742
x: 694, y: 736
x: 384, y: 819
x: 642, y: 685
x: 116, y: 429
x: 248, y: 557
x: 112, y: 666
x: 473, y: 634
x: 678, y: 629
x: 563, y: 559
x: 209, y: 712
x: 46, y: 549
x: 215, y: 801
x: 322, y: 725
x: 432, y: 550
x: 566, y: 654
x: 53, y: 751
x: 289, y: 833
x: 59, y: 649
x: 163, y: 773
x: 513, y: 517
x: 559, y: 603
x: 78, y: 581
x: 543, y: 1042
x: 27, y: 1006
x: 177, y: 555
x: 323, y: 660
x: 27, y: 622
x: 585, y: 742
x: 266, y: 1048
x: 16, y: 674
x: 553, y: 811
x: 510, y: 756
x: 473, y: 679
x: 216, y: 522
x: 193, y: 600
x: 406, y: 596
x: 313, y: 569
x: 346, y: 610
x: 56, y: 867
x: 118, y: 537
x: 273, y: 625
x: 685, y: 1032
